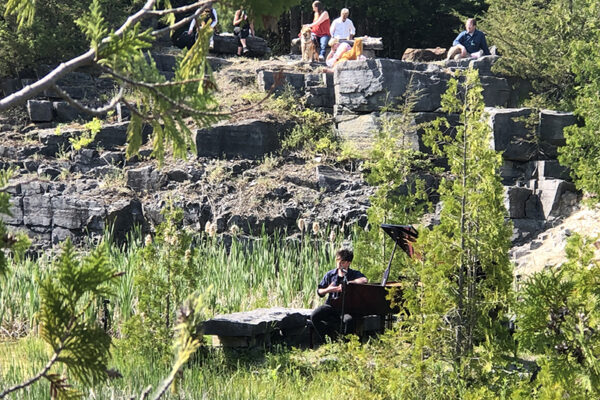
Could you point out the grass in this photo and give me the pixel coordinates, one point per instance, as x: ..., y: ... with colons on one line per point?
x: 248, y: 274
x: 214, y: 376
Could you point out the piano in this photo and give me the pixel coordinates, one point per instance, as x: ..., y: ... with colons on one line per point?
x: 370, y: 298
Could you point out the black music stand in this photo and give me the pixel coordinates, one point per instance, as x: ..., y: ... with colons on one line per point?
x: 403, y: 236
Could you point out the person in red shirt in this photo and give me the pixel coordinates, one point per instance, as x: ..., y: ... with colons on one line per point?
x: 320, y: 27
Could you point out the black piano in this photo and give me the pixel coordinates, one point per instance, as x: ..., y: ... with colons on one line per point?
x: 370, y: 298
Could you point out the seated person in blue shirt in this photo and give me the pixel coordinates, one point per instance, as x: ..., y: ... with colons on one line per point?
x: 326, y: 319
x: 469, y: 44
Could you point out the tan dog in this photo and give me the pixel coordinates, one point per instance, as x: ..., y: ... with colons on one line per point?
x: 309, y: 50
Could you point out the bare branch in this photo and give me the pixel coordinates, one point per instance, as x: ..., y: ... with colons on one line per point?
x: 47, y: 81
x: 177, y: 25
x: 145, y: 393
x: 158, y: 93
x: 98, y: 112
x: 35, y: 378
x: 182, y: 9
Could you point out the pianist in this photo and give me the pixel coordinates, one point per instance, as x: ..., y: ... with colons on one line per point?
x: 326, y: 319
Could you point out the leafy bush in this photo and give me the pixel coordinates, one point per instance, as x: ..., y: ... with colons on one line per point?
x: 54, y: 35
x: 558, y: 318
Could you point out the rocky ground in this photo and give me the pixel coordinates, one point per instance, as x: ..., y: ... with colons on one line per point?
x: 239, y: 176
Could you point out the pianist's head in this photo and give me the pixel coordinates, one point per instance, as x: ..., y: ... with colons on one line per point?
x: 343, y: 258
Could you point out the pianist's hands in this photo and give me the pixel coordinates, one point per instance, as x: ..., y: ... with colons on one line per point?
x: 334, y: 288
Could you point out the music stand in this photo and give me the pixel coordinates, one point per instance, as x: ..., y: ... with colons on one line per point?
x: 403, y: 236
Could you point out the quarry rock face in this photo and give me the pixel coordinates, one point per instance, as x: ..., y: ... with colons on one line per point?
x: 66, y: 193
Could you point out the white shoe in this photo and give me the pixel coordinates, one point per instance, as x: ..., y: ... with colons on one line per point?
x: 321, y: 58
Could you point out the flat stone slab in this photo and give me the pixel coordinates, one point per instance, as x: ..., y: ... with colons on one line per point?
x: 257, y: 322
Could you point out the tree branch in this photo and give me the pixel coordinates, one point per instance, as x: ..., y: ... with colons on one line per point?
x: 179, y: 10
x: 93, y: 111
x: 35, y: 378
x: 47, y: 81
x: 89, y: 56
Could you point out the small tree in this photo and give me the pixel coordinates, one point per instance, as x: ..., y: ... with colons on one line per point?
x: 558, y: 319
x: 78, y: 342
x: 582, y: 150
x: 462, y: 283
x: 534, y: 38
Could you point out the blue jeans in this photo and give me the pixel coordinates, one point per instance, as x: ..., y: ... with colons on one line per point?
x: 323, y: 40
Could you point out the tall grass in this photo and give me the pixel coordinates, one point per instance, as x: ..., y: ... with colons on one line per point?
x: 268, y: 271
x: 244, y: 274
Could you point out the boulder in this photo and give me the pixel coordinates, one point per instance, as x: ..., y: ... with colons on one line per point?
x: 266, y: 80
x: 424, y: 55
x: 248, y: 138
x: 145, y: 179
x: 366, y: 86
x: 551, y: 192
x: 515, y: 199
x: 361, y: 129
x: 547, y: 169
x: 330, y: 178
x: 484, y: 64
x: 227, y: 43
x: 37, y: 210
x: 526, y: 229
x: 511, y: 135
x: 320, y: 97
x: 256, y: 322
x: 122, y: 216
x: 59, y: 235
x: 39, y: 110
x: 552, y: 124
x: 66, y: 112
x: 75, y: 213
x: 496, y: 91
x: 16, y: 212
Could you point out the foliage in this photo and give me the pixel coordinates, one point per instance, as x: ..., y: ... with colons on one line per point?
x: 86, y: 138
x: 53, y: 36
x: 312, y: 128
x: 122, y: 55
x: 67, y: 297
x: 558, y: 318
x: 534, y: 38
x: 582, y: 150
x: 396, y: 170
x: 165, y: 275
x: 461, y: 286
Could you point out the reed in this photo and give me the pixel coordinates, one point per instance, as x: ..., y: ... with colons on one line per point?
x: 248, y: 273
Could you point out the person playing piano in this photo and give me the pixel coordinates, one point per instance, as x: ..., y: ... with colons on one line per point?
x: 326, y: 319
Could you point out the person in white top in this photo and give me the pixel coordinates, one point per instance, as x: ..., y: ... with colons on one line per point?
x: 342, y: 27
x: 208, y: 14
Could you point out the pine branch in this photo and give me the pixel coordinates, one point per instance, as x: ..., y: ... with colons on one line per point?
x: 159, y: 94
x: 90, y: 56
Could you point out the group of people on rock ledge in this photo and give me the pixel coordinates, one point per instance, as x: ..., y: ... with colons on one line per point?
x: 338, y: 35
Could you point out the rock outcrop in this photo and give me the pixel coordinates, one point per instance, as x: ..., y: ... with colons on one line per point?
x: 61, y: 193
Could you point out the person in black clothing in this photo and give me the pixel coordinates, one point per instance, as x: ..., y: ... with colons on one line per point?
x: 242, y: 28
x: 326, y: 319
